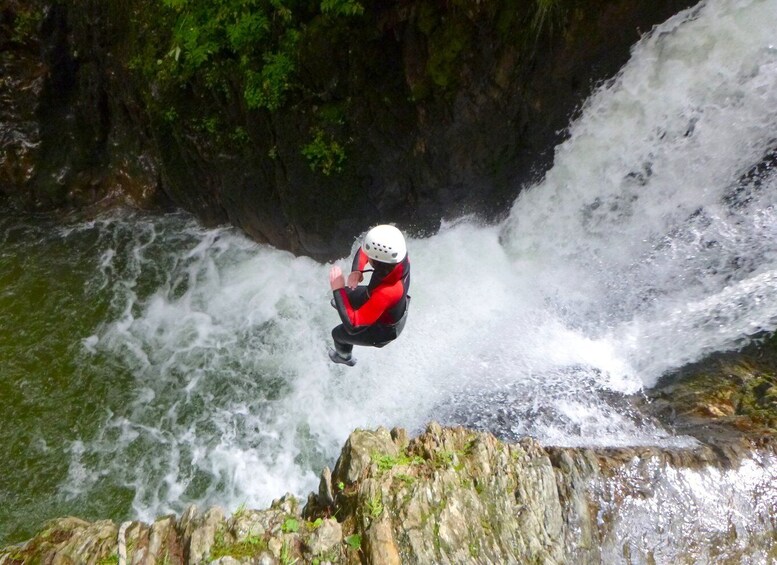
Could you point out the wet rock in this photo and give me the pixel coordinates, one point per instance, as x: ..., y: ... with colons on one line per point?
x: 380, y: 544
x: 450, y: 495
x: 226, y: 560
x: 22, y: 75
x: 325, y: 495
x: 728, y: 400
x: 325, y: 537
x: 67, y: 540
x: 288, y: 503
x: 275, y: 545
x: 163, y: 542
x: 203, y: 535
x: 356, y: 456
x: 428, y: 99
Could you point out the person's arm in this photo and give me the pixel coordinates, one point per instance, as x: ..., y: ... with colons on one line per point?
x: 360, y: 261
x: 342, y: 304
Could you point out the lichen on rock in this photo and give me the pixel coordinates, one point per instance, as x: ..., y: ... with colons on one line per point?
x: 450, y: 495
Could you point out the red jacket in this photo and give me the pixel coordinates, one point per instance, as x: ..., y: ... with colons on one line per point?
x: 385, y: 300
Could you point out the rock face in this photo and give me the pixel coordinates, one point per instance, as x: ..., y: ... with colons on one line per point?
x: 723, y: 399
x: 22, y: 75
x: 440, y: 109
x: 447, y: 496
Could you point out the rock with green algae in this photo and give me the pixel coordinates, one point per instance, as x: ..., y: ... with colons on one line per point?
x: 278, y: 534
x: 450, y: 495
x: 728, y: 399
x: 456, y: 496
x: 66, y: 540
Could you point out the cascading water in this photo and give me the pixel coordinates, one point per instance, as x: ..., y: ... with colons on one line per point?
x: 192, y: 367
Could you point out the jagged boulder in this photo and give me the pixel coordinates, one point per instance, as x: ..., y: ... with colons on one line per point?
x: 450, y: 495
x: 728, y: 399
x: 275, y: 535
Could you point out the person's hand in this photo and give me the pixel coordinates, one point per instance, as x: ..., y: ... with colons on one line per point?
x: 336, y: 280
x: 355, y: 278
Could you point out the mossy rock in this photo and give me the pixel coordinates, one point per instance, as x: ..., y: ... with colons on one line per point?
x: 734, y: 389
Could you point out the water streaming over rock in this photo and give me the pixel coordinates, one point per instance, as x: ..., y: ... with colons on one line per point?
x: 199, y: 357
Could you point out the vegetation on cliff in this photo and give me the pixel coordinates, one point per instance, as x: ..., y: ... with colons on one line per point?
x: 303, y: 122
x: 243, y: 59
x: 245, y: 54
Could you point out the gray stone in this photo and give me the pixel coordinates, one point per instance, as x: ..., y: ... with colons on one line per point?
x: 325, y: 537
x: 325, y: 496
x: 450, y: 496
x: 226, y: 560
x: 288, y: 503
x: 250, y: 523
x: 161, y: 532
x: 379, y: 543
x: 203, y: 535
x: 356, y: 456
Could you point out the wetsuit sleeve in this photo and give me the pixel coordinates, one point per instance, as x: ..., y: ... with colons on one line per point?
x: 369, y: 313
x: 359, y: 260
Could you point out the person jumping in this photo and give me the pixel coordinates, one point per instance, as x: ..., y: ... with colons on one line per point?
x: 375, y: 314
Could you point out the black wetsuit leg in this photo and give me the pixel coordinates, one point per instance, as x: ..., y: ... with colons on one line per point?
x: 375, y: 336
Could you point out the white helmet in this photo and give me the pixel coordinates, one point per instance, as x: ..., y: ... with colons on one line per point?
x: 385, y: 244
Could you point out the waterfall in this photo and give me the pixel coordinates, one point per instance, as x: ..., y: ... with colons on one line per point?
x: 649, y: 244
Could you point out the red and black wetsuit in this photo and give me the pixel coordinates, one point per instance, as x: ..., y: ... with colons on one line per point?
x: 374, y: 314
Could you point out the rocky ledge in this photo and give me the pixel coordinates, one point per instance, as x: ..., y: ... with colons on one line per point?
x: 450, y: 495
x: 453, y: 495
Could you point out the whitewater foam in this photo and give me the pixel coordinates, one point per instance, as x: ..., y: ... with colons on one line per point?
x: 649, y: 244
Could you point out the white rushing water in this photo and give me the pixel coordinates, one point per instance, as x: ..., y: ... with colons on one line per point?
x: 646, y: 246
x: 659, y: 514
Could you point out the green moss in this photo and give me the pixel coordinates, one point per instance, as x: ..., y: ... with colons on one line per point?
x: 388, y: 462
x: 487, y: 527
x: 251, y: 546
x: 55, y: 533
x: 374, y: 506
x: 332, y: 113
x: 25, y: 22
x: 735, y: 388
x: 508, y: 17
x: 420, y: 91
x: 290, y: 525
x: 342, y: 8
x: 447, y: 46
x: 427, y: 18
x: 267, y: 88
x: 469, y: 447
x: 443, y: 459
x: 354, y: 541
x: 749, y: 390
x: 213, y: 67
x: 324, y: 154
